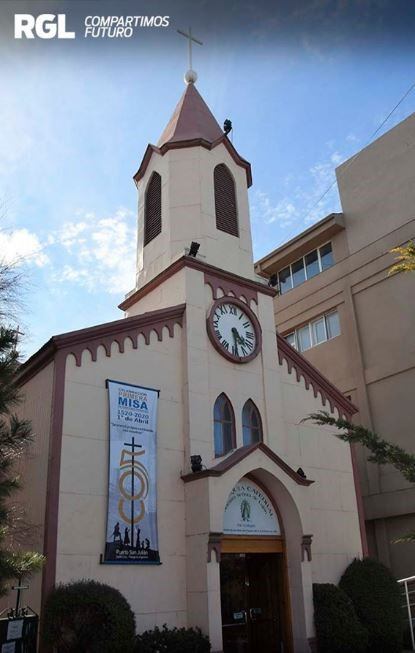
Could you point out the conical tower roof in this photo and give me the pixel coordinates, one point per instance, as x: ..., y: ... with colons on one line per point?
x: 192, y: 124
x: 191, y: 119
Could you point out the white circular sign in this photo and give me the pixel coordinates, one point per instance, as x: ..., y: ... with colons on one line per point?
x: 249, y: 511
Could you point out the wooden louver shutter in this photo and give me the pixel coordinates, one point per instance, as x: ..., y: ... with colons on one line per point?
x: 225, y: 201
x: 152, y: 209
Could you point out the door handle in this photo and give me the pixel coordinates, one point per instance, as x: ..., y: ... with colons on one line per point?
x: 254, y: 613
x: 239, y: 615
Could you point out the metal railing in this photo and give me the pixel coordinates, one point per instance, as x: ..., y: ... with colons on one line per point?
x: 408, y: 594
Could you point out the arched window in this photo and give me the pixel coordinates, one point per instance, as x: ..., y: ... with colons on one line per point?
x: 152, y: 208
x: 225, y: 200
x: 251, y: 423
x: 224, y: 426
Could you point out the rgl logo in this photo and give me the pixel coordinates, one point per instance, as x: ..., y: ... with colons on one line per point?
x: 45, y: 26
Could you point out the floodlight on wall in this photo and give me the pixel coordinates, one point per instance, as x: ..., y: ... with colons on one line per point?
x: 196, y: 463
x: 273, y: 280
x: 194, y: 248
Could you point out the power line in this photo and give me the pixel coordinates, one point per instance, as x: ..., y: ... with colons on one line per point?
x: 354, y: 157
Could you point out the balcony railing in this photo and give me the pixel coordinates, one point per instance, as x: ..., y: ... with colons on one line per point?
x: 408, y: 596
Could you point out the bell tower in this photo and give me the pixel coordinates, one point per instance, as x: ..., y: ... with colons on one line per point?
x: 193, y: 186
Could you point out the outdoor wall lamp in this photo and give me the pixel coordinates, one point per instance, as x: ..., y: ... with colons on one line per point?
x: 196, y: 463
x: 194, y: 248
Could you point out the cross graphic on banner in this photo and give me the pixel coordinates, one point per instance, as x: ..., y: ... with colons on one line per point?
x: 133, y: 446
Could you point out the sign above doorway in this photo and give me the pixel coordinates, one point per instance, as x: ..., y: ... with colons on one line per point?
x: 249, y: 511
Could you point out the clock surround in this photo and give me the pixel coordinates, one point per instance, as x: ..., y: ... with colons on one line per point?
x: 242, y: 306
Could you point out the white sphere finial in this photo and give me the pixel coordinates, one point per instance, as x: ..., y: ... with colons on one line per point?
x: 190, y: 77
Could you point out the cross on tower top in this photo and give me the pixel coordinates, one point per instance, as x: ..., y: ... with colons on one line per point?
x: 191, y: 75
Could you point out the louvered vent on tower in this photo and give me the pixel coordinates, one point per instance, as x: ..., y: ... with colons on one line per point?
x: 225, y: 201
x: 152, y: 209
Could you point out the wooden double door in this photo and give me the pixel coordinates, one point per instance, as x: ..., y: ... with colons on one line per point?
x: 253, y: 603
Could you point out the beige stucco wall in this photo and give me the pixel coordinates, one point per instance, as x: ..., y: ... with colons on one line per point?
x: 188, y: 213
x: 377, y: 190
x: 157, y: 594
x: 36, y: 406
x: 373, y: 360
x: 171, y: 292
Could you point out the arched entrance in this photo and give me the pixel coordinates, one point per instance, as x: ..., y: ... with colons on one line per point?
x: 254, y: 587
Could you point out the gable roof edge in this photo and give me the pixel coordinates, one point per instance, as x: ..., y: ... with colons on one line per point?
x: 240, y: 454
x: 320, y: 384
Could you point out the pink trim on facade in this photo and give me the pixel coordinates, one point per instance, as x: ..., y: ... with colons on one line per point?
x: 230, y: 286
x: 50, y: 535
x: 194, y: 142
x: 75, y: 342
x: 215, y: 277
x: 131, y: 330
x: 312, y: 377
x: 336, y: 399
x: 238, y: 455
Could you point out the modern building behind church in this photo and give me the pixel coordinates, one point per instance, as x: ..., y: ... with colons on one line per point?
x: 222, y: 507
x: 356, y: 324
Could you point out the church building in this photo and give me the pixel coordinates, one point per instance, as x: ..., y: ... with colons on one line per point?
x: 170, y: 459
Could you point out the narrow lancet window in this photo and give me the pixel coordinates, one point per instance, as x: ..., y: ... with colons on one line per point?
x: 224, y: 426
x: 251, y: 424
x: 225, y: 201
x: 152, y: 209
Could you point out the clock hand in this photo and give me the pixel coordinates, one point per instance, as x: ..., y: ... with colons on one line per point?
x: 235, y: 339
x: 240, y: 339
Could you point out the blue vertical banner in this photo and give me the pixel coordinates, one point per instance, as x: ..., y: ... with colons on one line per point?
x: 132, y: 489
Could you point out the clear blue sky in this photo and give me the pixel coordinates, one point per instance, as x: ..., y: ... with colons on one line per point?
x: 304, y: 83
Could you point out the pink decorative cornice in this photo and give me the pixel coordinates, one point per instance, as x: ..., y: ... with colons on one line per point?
x: 215, y: 277
x: 230, y: 286
x: 312, y: 377
x: 193, y: 142
x: 76, y: 342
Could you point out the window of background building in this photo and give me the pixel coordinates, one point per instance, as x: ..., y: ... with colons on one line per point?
x: 311, y: 264
x: 315, y: 332
x: 326, y: 256
x: 332, y: 325
x: 303, y: 338
x: 305, y: 268
x: 285, y: 281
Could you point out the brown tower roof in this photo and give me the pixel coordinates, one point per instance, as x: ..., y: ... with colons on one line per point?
x: 192, y: 124
x: 191, y: 119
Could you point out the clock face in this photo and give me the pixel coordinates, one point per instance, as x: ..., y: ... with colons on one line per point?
x: 234, y: 330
